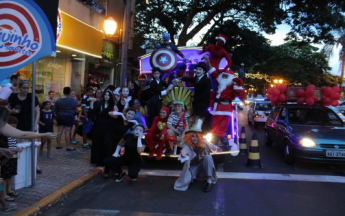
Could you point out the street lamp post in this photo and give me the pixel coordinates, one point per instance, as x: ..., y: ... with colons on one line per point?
x: 109, y: 26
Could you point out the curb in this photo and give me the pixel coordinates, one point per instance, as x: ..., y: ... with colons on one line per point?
x: 55, y: 196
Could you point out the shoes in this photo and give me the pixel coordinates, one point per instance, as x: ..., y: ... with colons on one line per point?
x: 151, y: 155
x: 208, y: 187
x: 59, y: 147
x: 10, y: 207
x: 159, y: 156
x: 74, y: 141
x: 10, y: 199
x: 13, y: 194
x: 70, y: 149
x: 39, y: 171
x: 86, y: 146
x: 120, y: 177
x: 133, y: 179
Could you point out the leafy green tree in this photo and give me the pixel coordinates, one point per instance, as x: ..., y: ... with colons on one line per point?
x: 311, y: 21
x: 297, y: 63
x: 328, y: 50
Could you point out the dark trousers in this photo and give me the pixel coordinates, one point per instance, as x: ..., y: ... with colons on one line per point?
x: 115, y: 164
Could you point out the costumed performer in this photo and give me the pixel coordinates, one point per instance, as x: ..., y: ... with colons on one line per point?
x: 157, y: 133
x: 134, y: 145
x: 196, y: 156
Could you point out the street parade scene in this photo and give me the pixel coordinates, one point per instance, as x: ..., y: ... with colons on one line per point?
x: 173, y: 107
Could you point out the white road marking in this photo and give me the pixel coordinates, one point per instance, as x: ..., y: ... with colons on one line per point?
x: 255, y: 176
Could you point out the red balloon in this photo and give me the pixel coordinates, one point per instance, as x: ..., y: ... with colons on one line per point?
x: 309, y: 92
x: 270, y: 90
x: 282, y: 88
x: 316, y: 98
x: 309, y: 101
x: 269, y: 96
x: 274, y: 100
x: 300, y: 92
x: 327, y: 91
x: 335, y: 89
x: 300, y: 100
x: 335, y: 96
x: 326, y: 100
x: 275, y: 92
x: 282, y: 98
x: 311, y: 86
x: 335, y: 103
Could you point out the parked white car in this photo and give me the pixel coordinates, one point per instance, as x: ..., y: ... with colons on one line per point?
x: 341, y: 107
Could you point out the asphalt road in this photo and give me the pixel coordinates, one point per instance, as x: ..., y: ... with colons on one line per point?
x: 240, y: 190
x: 155, y: 196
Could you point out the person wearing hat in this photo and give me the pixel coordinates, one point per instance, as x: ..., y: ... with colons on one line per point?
x: 158, y: 88
x: 134, y: 144
x: 201, y: 97
x: 217, y: 52
x: 176, y: 124
x: 229, y: 88
x: 157, y: 133
x: 196, y: 156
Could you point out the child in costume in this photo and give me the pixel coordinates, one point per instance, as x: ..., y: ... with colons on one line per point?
x: 157, y: 133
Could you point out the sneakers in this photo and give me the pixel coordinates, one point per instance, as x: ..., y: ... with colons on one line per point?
x: 120, y: 177
x: 133, y: 179
x: 208, y: 187
x: 159, y: 156
x: 10, y: 207
x: 86, y: 146
x: 74, y: 141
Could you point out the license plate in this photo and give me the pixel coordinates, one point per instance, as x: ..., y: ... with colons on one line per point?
x: 339, y: 154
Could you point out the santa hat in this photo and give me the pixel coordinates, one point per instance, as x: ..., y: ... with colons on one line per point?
x: 142, y: 77
x: 228, y: 72
x: 222, y: 37
x: 166, y: 109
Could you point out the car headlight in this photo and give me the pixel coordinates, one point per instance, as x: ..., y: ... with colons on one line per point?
x: 306, y: 142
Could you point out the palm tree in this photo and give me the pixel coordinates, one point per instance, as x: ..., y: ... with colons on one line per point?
x: 328, y: 48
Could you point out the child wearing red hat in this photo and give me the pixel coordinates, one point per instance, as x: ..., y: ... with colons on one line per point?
x: 157, y: 133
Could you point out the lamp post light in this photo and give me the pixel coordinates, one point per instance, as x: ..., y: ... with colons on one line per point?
x: 109, y: 26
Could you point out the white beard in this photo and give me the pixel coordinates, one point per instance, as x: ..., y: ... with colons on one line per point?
x: 224, y: 83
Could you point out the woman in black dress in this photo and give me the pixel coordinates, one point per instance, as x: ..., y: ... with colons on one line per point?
x: 103, y: 128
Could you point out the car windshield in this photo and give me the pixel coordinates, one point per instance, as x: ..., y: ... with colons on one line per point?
x: 313, y: 116
x: 263, y: 106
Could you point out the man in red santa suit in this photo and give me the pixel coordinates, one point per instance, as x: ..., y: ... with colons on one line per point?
x: 229, y: 88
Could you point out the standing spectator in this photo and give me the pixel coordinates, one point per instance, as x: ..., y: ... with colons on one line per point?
x: 20, y: 106
x: 9, y: 131
x: 51, y: 98
x: 46, y: 123
x: 103, y: 129
x: 15, y: 80
x: 76, y: 118
x: 134, y: 145
x: 86, y: 115
x: 64, y: 110
x: 9, y: 169
x: 159, y: 88
x: 125, y: 100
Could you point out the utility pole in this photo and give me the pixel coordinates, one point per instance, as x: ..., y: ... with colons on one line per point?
x: 125, y: 45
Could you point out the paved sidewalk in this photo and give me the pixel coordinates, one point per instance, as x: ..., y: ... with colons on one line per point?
x: 62, y: 169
